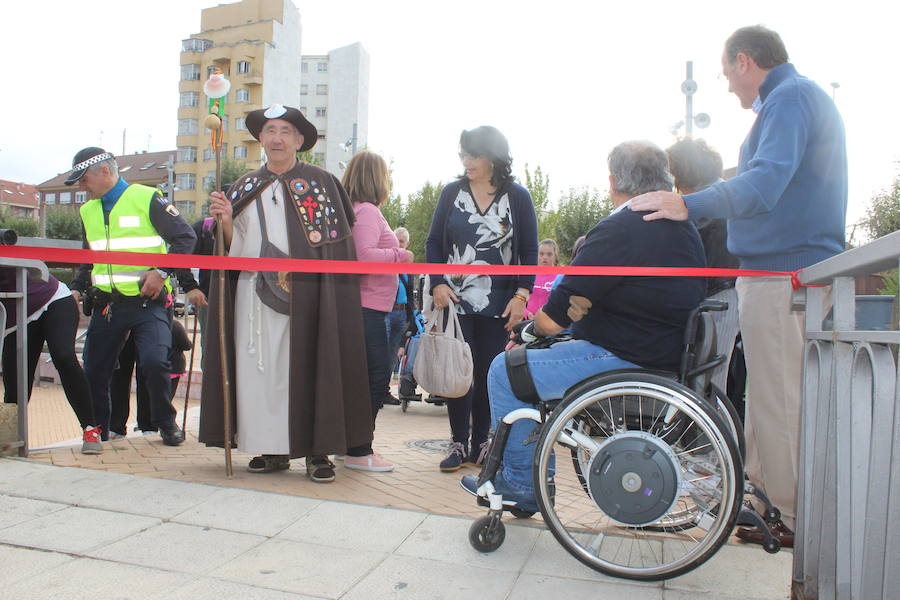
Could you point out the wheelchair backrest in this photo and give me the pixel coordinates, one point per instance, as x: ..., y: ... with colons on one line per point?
x: 699, y: 356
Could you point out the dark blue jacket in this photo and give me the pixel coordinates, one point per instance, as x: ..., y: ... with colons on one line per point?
x: 787, y: 205
x: 639, y: 319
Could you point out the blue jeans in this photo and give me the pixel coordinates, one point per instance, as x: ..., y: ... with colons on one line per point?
x: 395, y: 321
x: 554, y: 370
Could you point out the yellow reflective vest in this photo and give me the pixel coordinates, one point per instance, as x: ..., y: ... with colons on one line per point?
x: 129, y: 230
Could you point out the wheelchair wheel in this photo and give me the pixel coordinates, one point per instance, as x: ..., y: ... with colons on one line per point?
x: 655, y: 482
x: 487, y: 533
x: 731, y: 417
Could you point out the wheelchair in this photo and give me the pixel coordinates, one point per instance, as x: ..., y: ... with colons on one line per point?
x: 638, y: 474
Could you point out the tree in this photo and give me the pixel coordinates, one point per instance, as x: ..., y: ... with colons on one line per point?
x: 883, y: 213
x: 578, y: 212
x: 307, y: 156
x: 23, y: 226
x: 420, y: 207
x: 63, y: 224
x: 538, y: 185
x: 883, y: 218
x: 393, y: 211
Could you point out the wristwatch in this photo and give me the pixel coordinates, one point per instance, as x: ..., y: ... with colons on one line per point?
x: 163, y: 274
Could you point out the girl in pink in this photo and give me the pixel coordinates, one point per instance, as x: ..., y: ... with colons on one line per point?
x: 367, y: 182
x: 548, y: 256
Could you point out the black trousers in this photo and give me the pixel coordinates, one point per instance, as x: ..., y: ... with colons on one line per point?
x: 58, y: 327
x: 379, y: 367
x: 472, y: 413
x: 151, y: 329
x: 120, y: 392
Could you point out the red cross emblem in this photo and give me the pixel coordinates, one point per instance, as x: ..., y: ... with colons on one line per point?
x: 310, y: 205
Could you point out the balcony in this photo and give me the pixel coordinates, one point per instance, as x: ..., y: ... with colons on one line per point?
x: 195, y: 45
x: 253, y: 77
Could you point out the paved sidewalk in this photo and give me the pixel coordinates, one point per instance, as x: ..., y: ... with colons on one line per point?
x: 79, y: 533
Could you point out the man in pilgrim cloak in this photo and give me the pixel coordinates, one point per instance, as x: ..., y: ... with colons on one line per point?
x: 295, y: 344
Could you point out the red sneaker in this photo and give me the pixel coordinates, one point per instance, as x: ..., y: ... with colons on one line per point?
x: 90, y: 440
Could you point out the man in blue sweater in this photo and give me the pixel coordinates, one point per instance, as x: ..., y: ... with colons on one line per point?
x: 786, y: 209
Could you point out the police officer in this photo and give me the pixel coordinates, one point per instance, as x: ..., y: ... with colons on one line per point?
x: 129, y: 298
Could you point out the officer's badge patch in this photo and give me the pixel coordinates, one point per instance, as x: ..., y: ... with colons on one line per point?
x: 170, y: 208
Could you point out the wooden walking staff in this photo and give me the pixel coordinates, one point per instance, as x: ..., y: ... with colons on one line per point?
x: 187, y: 392
x: 216, y: 89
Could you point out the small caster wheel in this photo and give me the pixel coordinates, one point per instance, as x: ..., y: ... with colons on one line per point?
x: 772, y: 515
x: 772, y: 546
x: 520, y: 513
x: 487, y: 533
x: 404, y: 405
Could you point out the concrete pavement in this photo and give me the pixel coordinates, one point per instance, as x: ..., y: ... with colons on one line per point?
x: 79, y: 533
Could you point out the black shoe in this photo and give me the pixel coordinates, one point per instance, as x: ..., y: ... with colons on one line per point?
x: 171, y: 435
x: 390, y: 400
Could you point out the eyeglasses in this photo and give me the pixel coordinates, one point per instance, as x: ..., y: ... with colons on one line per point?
x: 464, y: 156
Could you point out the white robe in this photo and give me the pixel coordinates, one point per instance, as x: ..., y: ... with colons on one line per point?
x: 261, y: 337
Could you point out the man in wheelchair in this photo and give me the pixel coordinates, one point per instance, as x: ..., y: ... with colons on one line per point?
x: 617, y: 322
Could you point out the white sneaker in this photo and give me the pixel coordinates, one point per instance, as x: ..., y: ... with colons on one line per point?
x: 372, y: 462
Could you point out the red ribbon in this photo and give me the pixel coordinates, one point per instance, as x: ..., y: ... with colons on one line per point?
x: 301, y: 265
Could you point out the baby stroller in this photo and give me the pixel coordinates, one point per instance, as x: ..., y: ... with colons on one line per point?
x: 638, y: 474
x: 407, y: 391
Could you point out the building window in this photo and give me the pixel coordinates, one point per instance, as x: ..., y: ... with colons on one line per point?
x: 322, y: 89
x: 190, y: 72
x: 304, y: 89
x: 49, y: 198
x: 187, y: 126
x: 185, y: 207
x: 240, y: 124
x: 243, y: 66
x: 304, y: 67
x: 187, y: 153
x: 80, y: 197
x: 242, y: 95
x: 303, y: 110
x: 320, y: 111
x: 240, y: 151
x: 322, y: 67
x: 209, y: 182
x: 195, y: 45
x: 65, y: 197
x: 189, y: 99
x: 186, y: 181
x: 210, y: 154
x: 319, y: 157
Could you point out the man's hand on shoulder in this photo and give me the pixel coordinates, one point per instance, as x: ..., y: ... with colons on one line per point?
x: 661, y: 205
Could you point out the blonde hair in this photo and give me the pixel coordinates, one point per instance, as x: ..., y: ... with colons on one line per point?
x: 367, y: 179
x: 552, y: 244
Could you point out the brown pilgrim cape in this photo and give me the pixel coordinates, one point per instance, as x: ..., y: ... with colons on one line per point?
x: 329, y: 408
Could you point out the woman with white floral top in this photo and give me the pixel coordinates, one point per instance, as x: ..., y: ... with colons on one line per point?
x: 482, y: 218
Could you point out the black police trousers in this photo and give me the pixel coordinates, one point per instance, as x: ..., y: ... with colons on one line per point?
x: 150, y: 326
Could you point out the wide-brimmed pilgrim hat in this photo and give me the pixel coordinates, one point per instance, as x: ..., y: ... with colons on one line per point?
x: 84, y: 160
x: 257, y: 118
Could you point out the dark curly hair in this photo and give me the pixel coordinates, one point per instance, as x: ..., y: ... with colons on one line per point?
x: 487, y: 141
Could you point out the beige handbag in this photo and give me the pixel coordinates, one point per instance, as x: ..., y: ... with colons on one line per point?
x: 443, y: 364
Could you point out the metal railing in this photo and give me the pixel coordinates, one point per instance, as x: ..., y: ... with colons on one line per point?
x: 848, y: 530
x: 24, y: 269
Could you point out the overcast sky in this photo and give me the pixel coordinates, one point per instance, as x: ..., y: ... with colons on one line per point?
x: 564, y: 80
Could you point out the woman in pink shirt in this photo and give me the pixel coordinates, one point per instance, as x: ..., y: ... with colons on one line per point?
x: 367, y: 182
x: 548, y: 256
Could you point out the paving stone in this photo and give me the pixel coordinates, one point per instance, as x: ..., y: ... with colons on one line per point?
x: 61, y: 484
x: 176, y: 547
x: 541, y: 587
x: 359, y: 526
x: 550, y: 558
x: 151, y: 497
x: 247, y: 511
x: 16, y: 510
x: 89, y: 579
x: 740, y: 572
x: 75, y: 529
x: 22, y: 563
x: 300, y: 568
x: 403, y: 577
x: 207, y: 588
x: 447, y: 539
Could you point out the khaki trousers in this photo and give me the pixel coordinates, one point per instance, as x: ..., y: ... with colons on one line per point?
x: 773, y: 350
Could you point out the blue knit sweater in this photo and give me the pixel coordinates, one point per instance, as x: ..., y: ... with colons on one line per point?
x: 787, y: 204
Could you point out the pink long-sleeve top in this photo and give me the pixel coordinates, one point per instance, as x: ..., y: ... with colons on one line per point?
x: 377, y: 243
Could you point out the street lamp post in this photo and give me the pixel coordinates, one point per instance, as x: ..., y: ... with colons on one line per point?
x: 834, y: 86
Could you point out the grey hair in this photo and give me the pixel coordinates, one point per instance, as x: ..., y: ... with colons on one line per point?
x: 638, y: 167
x: 109, y: 163
x: 402, y: 231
